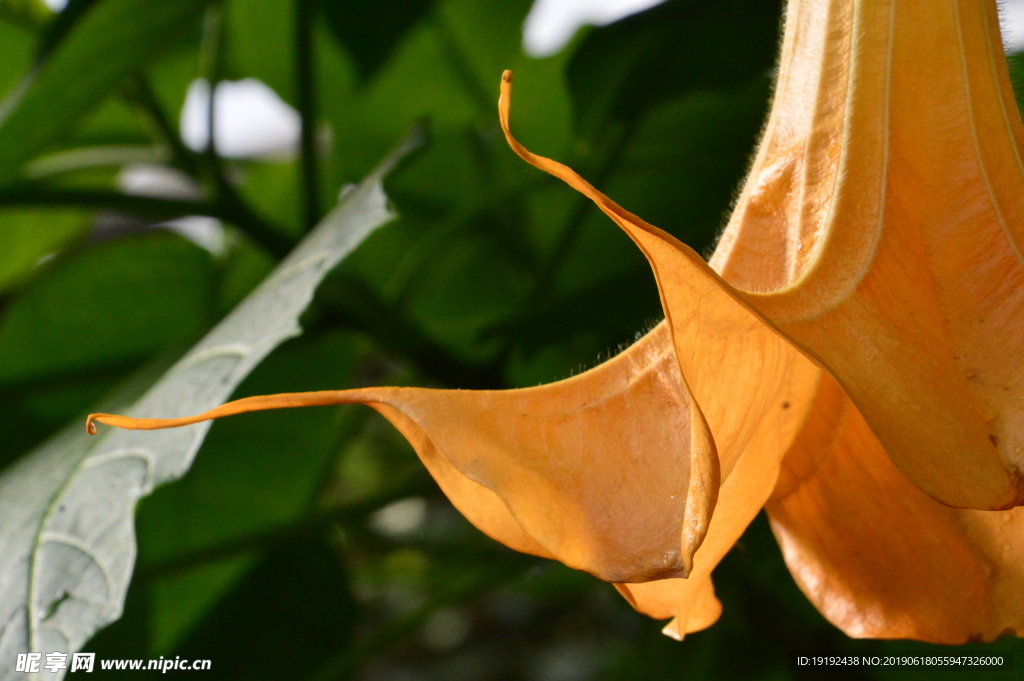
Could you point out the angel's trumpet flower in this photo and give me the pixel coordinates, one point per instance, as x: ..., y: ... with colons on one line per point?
x: 863, y: 318
x: 881, y: 229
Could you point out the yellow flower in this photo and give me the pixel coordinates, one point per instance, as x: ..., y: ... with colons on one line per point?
x: 853, y: 357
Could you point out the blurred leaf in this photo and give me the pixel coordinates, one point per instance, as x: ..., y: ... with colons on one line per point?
x: 66, y: 509
x: 282, y: 620
x: 260, y: 41
x: 488, y: 36
x: 272, y: 189
x: 101, y: 156
x: 113, y: 122
x: 15, y: 54
x: 680, y: 46
x: 28, y: 14
x: 370, y: 31
x: 415, y: 83
x: 179, y: 600
x: 61, y: 24
x: 114, y: 40
x: 335, y: 86
x: 171, y: 75
x: 490, y: 286
x: 465, y: 252
x: 121, y: 301
x: 687, y: 156
x: 245, y: 266
x: 609, y: 309
x: 28, y: 235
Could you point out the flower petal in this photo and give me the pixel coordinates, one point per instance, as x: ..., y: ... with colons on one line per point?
x: 732, y: 359
x: 879, y: 557
x: 882, y: 229
x: 741, y: 497
x: 612, y: 471
x: 690, y: 603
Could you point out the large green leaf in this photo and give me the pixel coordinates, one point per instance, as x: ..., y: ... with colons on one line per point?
x: 79, y: 323
x: 112, y: 41
x: 66, y: 509
x: 686, y: 158
x: 464, y: 251
x: 370, y: 31
x: 61, y: 24
x: 303, y: 584
x: 260, y: 36
x: 15, y: 55
x: 121, y: 301
x: 30, y: 15
x: 28, y: 235
x: 684, y: 45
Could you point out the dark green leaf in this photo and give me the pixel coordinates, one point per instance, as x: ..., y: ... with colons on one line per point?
x: 260, y: 37
x: 28, y: 14
x: 121, y: 301
x: 371, y: 30
x: 28, y: 235
x: 57, y: 29
x: 111, y: 42
x: 680, y: 46
x: 284, y: 618
x: 15, y: 55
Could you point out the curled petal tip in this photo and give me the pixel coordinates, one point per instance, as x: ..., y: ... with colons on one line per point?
x: 506, y: 76
x: 90, y: 424
x: 672, y: 630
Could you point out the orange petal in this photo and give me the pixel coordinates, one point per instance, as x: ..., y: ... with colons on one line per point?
x: 690, y: 602
x: 612, y: 471
x: 879, y: 557
x: 752, y: 385
x: 731, y: 358
x: 882, y: 229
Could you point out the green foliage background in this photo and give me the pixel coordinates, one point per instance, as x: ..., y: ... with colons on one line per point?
x: 266, y: 558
